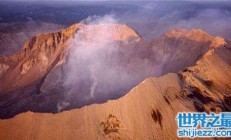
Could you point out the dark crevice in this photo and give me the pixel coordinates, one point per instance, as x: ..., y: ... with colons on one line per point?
x: 38, y: 86
x: 166, y: 100
x: 157, y: 117
x: 197, y: 93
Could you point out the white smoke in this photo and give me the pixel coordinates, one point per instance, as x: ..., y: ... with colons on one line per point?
x: 62, y: 105
x: 106, y: 19
x: 100, y: 68
x: 89, y: 49
x: 94, y: 79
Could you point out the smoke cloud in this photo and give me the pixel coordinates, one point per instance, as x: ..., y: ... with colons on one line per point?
x: 152, y: 19
x: 100, y: 68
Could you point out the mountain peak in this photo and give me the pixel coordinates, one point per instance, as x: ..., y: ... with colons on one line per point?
x: 189, y: 33
x: 42, y: 52
x: 197, y: 35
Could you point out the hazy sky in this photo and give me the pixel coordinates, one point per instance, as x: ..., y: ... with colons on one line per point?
x: 150, y: 18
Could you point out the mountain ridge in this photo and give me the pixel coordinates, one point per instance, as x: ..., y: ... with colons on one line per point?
x: 189, y: 81
x: 49, y: 46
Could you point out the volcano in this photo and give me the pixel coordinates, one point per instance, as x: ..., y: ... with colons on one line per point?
x: 104, y: 81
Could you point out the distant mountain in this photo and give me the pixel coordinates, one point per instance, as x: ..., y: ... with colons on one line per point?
x: 13, y: 35
x: 84, y: 66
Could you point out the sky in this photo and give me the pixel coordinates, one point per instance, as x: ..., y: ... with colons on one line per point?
x: 150, y: 18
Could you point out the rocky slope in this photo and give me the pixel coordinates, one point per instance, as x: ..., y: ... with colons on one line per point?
x: 201, y: 83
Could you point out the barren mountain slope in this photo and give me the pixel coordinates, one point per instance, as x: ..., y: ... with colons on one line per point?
x: 148, y: 111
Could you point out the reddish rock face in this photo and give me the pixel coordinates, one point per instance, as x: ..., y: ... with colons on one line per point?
x: 41, y: 53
